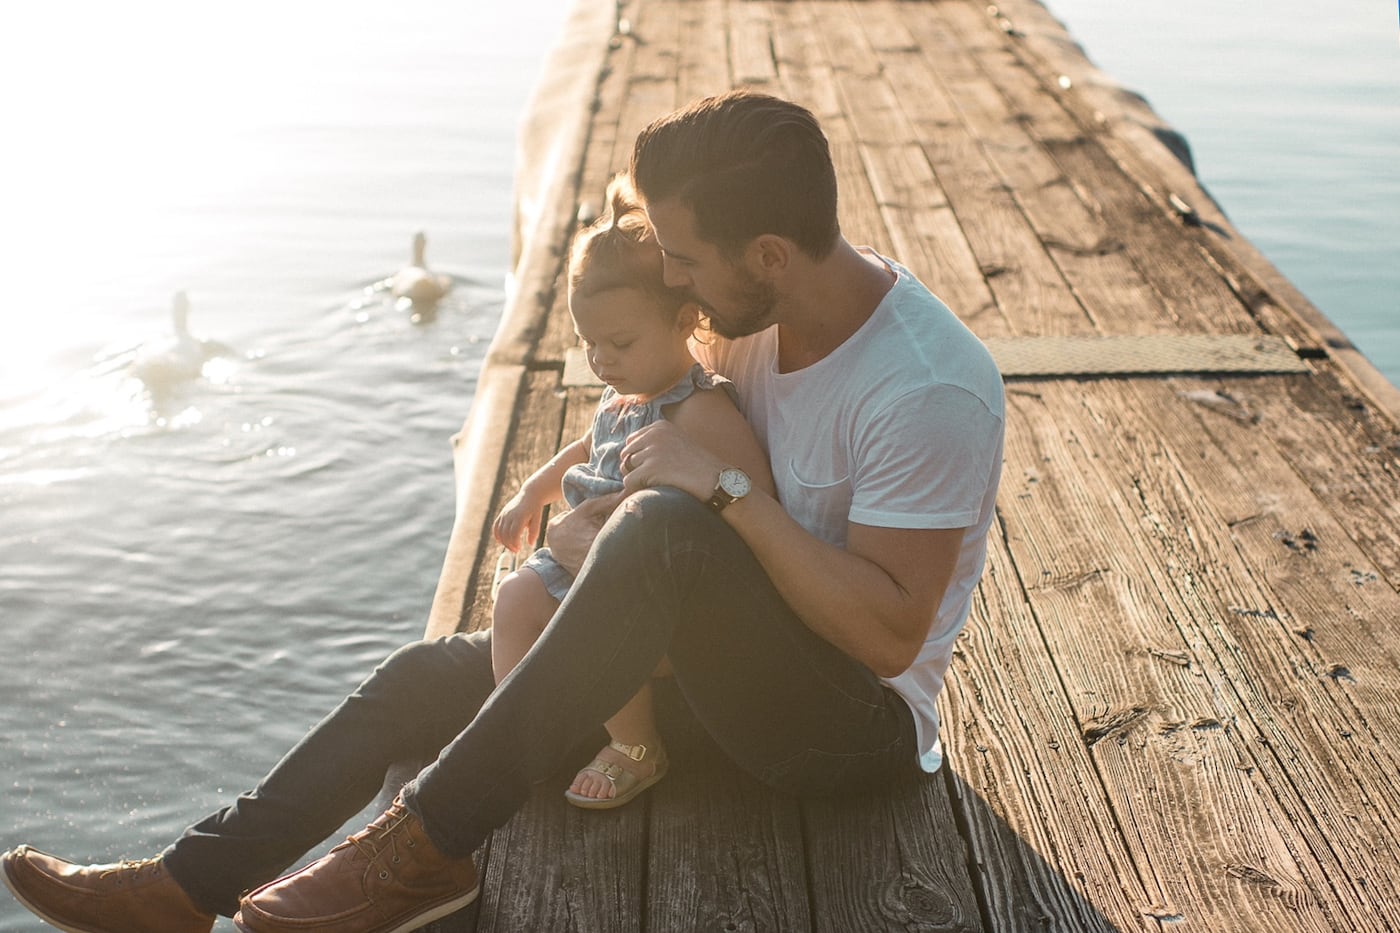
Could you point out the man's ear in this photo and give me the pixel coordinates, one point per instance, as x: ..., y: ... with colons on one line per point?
x: 769, y: 254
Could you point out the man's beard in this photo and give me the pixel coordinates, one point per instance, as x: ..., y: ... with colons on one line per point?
x: 754, y: 301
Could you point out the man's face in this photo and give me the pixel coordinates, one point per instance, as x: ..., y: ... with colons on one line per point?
x: 737, y: 302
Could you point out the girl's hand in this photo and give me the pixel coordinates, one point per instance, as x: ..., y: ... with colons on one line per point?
x: 518, y: 521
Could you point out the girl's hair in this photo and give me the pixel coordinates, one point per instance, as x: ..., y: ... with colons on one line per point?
x: 619, y: 250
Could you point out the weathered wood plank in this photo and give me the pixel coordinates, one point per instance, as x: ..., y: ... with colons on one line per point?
x: 608, y: 148
x: 478, y: 450
x: 1029, y: 290
x: 1195, y: 297
x: 1145, y: 146
x: 804, y: 72
x: 726, y: 853
x: 555, y: 867
x: 704, y: 64
x: 1048, y: 851
x: 751, y: 59
x: 1184, y: 731
x: 1152, y: 153
x: 652, y: 81
x: 1348, y: 453
x: 1085, y: 574
x: 924, y: 232
x: 892, y: 861
x: 1105, y: 282
x: 1314, y: 723
x: 558, y: 336
x: 534, y: 438
x: 1328, y: 613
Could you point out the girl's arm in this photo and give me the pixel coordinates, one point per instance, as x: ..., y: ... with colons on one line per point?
x: 520, y: 517
x: 710, y: 419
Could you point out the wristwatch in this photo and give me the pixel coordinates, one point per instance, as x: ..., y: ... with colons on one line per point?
x: 733, y: 484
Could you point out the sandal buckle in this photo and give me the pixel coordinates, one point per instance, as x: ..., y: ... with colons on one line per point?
x: 635, y: 752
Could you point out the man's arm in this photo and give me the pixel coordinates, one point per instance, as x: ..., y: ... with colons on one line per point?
x: 875, y: 600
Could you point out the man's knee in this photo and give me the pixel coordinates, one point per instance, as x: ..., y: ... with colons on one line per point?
x: 650, y: 528
x: 422, y: 668
x: 662, y: 537
x: 664, y: 507
x: 414, y: 655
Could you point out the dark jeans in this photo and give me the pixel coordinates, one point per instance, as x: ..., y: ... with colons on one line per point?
x: 666, y: 577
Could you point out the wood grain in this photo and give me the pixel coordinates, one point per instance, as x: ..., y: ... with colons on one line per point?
x: 1174, y: 704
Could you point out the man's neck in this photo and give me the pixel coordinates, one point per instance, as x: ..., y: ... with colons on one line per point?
x: 828, y: 303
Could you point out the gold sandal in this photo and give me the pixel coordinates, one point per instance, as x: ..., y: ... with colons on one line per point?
x: 626, y: 785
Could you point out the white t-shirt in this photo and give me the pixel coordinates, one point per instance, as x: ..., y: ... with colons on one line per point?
x: 899, y: 427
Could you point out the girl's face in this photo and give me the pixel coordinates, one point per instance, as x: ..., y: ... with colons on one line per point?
x: 632, y: 344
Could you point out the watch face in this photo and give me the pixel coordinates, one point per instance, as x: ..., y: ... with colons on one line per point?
x: 734, y: 482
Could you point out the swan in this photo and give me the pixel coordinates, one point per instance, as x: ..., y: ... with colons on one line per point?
x: 178, y: 357
x: 415, y: 282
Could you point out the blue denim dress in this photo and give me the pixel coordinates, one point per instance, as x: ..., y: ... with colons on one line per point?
x: 615, y: 420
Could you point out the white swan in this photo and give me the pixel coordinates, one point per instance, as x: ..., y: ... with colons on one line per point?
x: 176, y: 358
x: 415, y: 282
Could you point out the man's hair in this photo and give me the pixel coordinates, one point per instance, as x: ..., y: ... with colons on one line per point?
x: 744, y: 164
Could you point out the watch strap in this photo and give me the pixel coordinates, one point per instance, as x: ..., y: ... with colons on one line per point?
x: 719, y: 499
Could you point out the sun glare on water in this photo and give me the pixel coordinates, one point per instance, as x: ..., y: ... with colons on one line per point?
x: 123, y: 122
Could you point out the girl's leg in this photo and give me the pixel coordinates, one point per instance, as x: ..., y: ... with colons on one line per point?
x: 523, y: 608
x: 634, y: 724
x: 667, y: 575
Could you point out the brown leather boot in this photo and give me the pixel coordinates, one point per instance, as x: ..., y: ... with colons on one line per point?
x: 128, y: 897
x: 387, y: 878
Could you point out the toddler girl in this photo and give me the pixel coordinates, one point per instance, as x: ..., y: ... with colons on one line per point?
x: 636, y: 333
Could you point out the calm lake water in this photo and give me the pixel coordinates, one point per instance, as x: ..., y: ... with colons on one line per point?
x: 184, y: 588
x: 1292, y: 109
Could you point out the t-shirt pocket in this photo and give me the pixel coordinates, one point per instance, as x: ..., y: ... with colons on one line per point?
x: 819, y: 504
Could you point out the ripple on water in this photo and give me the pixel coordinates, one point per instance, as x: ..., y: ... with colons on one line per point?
x: 228, y: 575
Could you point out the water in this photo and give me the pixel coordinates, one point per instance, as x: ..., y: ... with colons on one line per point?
x: 184, y: 588
x: 1292, y: 110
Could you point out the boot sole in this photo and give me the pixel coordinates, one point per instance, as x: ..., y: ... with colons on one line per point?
x: 34, y: 909
x: 437, y: 912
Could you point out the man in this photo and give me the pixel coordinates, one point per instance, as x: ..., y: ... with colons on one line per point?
x: 809, y: 634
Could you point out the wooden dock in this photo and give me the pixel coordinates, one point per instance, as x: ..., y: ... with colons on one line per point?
x: 1177, y: 704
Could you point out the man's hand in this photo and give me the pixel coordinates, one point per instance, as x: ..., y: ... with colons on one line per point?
x: 661, y: 454
x: 570, y: 534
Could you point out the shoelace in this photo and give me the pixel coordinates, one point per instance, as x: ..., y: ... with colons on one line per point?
x: 134, y: 866
x: 365, y: 842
